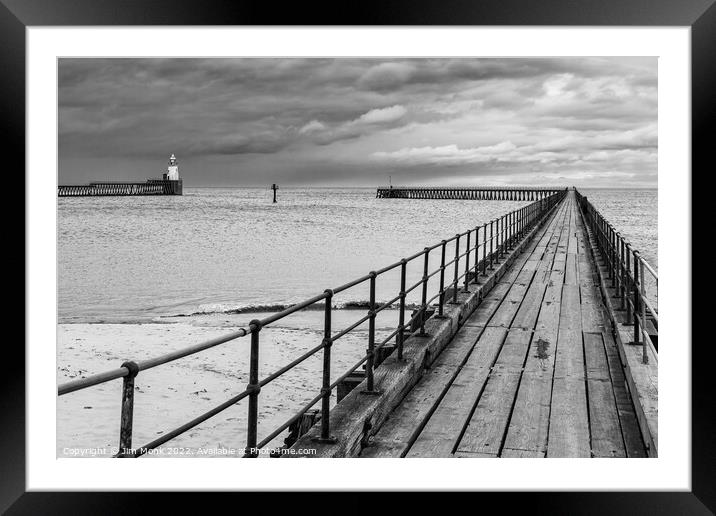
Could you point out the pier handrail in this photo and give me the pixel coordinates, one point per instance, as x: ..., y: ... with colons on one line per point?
x: 627, y: 272
x: 504, y: 232
x: 505, y: 188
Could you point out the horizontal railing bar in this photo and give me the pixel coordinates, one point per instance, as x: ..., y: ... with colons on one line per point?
x: 465, y: 253
x: 386, y: 269
x: 96, y: 379
x: 443, y: 291
x: 535, y: 189
x: 647, y: 339
x: 293, y: 364
x: 390, y: 337
x: 293, y: 308
x: 175, y: 355
x: 418, y: 284
x: 436, y: 271
x: 646, y: 302
x: 350, y: 328
x: 120, y: 372
x: 648, y: 267
x: 626, y: 242
x: 311, y: 403
x: 448, y: 264
x: 462, y: 276
x: 387, y: 304
x: 306, y: 407
x: 352, y: 283
x: 616, y: 252
x: 289, y: 422
x: 191, y: 424
x: 154, y: 362
x: 414, y: 256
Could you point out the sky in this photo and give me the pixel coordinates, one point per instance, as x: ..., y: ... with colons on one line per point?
x: 587, y: 122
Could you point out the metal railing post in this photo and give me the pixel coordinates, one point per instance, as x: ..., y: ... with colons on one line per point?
x: 401, y: 317
x: 508, y: 231
x: 441, y: 298
x: 518, y: 225
x: 533, y: 213
x: 254, y: 388
x: 512, y: 229
x: 645, y: 355
x: 326, y: 387
x: 630, y: 283
x: 424, y: 298
x: 476, y: 273
x: 492, y: 253
x: 127, y: 415
x: 637, y: 279
x: 467, y: 263
x: 501, y: 237
x: 528, y: 217
x: 370, y: 352
x: 622, y: 293
x: 484, y: 249
x: 612, y: 249
x: 618, y: 265
x: 455, y: 269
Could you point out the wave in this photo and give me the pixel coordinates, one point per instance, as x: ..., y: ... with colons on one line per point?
x: 272, y: 308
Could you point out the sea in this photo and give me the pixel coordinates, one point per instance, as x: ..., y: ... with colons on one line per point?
x: 141, y: 276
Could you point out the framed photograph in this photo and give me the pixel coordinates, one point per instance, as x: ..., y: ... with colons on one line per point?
x: 407, y: 234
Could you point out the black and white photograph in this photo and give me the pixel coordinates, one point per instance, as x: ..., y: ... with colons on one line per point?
x: 412, y: 233
x: 357, y: 257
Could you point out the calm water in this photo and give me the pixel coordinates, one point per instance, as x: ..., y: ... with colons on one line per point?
x: 214, y: 250
x: 218, y: 258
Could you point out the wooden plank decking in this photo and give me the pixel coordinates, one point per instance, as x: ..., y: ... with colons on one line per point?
x: 533, y: 372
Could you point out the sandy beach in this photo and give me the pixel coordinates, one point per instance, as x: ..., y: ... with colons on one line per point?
x: 169, y: 395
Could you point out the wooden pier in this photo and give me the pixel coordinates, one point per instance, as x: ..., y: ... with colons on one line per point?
x: 473, y: 193
x: 114, y: 188
x: 536, y: 340
x: 536, y: 370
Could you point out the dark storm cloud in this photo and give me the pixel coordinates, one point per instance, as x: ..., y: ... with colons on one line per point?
x: 310, y: 120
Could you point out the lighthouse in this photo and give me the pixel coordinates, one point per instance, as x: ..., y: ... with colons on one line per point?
x: 169, y: 184
x: 172, y: 183
x: 173, y: 169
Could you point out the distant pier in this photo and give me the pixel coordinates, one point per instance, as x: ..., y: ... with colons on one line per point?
x: 472, y: 193
x: 111, y: 188
x: 169, y: 184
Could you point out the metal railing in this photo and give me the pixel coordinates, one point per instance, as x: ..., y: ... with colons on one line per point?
x: 504, y: 233
x: 627, y: 271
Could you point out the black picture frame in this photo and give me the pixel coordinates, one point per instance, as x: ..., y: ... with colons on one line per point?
x: 700, y: 15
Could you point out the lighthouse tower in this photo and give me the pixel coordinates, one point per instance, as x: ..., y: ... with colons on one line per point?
x: 173, y: 169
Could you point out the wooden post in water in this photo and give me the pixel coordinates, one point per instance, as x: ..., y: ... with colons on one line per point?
x: 274, y: 187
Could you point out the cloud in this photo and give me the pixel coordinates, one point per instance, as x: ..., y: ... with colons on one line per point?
x: 385, y: 76
x: 304, y: 120
x: 382, y: 115
x: 312, y: 127
x: 573, y: 153
x: 372, y: 121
